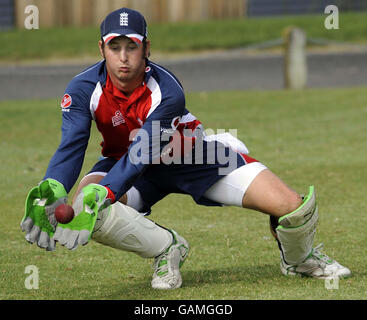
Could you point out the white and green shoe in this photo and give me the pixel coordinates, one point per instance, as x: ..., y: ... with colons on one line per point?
x: 167, y: 264
x: 317, y: 265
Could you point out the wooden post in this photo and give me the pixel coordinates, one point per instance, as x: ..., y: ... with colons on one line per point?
x: 295, y: 64
x: 63, y: 14
x: 145, y: 7
x: 197, y: 10
x: 117, y: 4
x: 176, y: 10
x: 100, y: 11
x: 19, y: 13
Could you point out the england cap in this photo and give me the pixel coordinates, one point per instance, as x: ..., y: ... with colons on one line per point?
x: 124, y: 22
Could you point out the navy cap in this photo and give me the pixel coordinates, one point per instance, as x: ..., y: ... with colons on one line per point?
x: 124, y: 22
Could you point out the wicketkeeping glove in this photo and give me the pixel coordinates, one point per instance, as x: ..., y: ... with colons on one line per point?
x: 39, y: 221
x: 90, y: 201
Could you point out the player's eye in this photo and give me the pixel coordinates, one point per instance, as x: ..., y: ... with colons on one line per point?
x: 132, y: 47
x: 113, y: 46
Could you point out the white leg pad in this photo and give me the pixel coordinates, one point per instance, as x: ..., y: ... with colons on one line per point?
x: 296, y: 231
x: 123, y: 228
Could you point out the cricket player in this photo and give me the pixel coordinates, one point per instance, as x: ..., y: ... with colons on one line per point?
x: 153, y: 146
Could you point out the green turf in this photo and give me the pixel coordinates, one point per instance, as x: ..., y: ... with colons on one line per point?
x: 306, y: 137
x: 76, y: 42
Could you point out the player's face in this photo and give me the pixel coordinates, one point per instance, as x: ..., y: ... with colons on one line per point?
x: 125, y: 61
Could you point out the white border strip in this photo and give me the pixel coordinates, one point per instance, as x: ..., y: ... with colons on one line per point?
x: 156, y: 94
x: 94, y: 100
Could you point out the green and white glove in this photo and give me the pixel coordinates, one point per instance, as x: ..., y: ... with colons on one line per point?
x: 90, y: 201
x: 39, y: 221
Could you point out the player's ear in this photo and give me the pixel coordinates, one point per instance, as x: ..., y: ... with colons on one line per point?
x: 101, y: 48
x: 147, y: 48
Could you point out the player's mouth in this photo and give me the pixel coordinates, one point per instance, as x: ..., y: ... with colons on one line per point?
x: 124, y: 69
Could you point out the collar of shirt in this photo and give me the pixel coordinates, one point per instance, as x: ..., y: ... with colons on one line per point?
x: 137, y: 93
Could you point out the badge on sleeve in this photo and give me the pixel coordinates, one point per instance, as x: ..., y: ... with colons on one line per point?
x: 66, y: 102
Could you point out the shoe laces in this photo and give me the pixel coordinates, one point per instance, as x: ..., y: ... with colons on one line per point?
x: 161, y: 263
x: 322, y: 257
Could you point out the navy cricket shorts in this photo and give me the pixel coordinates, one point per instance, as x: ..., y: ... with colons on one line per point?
x: 159, y: 180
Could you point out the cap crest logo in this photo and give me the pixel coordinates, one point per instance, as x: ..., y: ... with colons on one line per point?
x: 124, y: 19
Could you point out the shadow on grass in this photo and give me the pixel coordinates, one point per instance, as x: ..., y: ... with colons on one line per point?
x: 249, y: 274
x: 194, y: 280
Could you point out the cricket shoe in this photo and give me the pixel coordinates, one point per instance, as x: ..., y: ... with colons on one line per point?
x: 167, y: 264
x: 317, y: 265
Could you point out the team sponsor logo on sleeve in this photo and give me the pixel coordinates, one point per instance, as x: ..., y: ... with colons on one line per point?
x: 174, y: 124
x: 66, y: 102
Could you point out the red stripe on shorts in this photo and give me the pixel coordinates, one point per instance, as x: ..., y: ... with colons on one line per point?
x: 248, y: 159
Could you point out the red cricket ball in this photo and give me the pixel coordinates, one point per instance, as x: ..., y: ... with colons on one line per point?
x: 64, y: 213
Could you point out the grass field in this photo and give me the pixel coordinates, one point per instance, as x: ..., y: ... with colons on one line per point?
x: 76, y: 42
x: 308, y: 137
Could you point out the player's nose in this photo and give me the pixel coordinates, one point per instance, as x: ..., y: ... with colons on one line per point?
x: 123, y: 55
